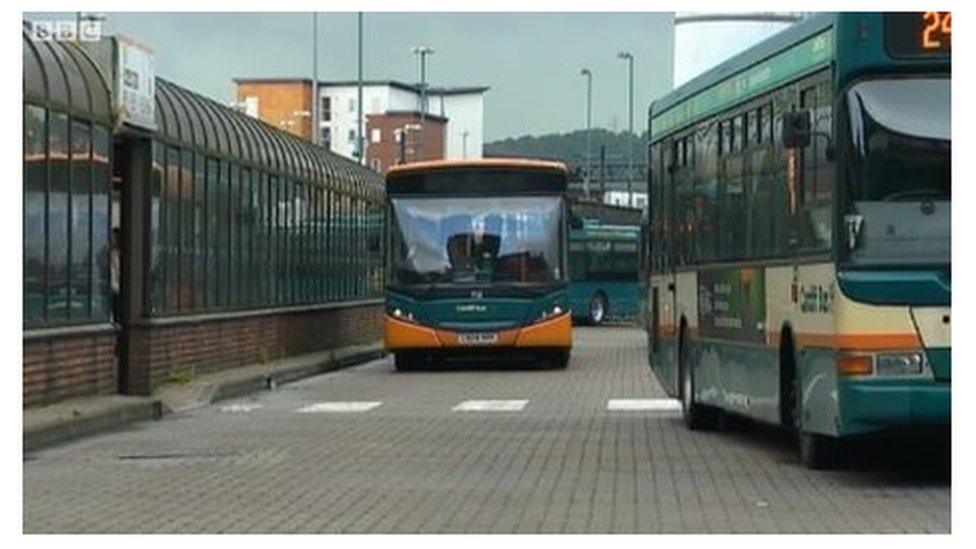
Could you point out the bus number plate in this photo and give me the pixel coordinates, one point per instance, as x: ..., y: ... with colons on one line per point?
x: 478, y: 339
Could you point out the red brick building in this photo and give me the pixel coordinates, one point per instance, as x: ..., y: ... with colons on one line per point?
x: 399, y: 138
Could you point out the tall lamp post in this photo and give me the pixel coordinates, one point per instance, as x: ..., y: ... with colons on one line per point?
x: 360, y: 142
x: 589, y: 103
x: 315, y: 78
x: 422, y: 52
x: 627, y: 56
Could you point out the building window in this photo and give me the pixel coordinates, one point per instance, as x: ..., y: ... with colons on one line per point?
x: 352, y: 105
x: 376, y: 135
x: 352, y: 136
x: 325, y: 137
x: 376, y: 164
x: 326, y: 109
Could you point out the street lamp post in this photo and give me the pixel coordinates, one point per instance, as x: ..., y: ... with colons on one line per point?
x: 359, y: 113
x: 422, y: 52
x: 315, y: 79
x: 589, y: 98
x: 627, y: 56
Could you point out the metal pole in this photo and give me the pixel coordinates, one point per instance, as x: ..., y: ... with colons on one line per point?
x: 630, y: 145
x: 315, y: 79
x: 589, y: 98
x: 423, y: 100
x: 627, y: 56
x: 359, y: 120
x: 423, y: 52
x: 603, y: 173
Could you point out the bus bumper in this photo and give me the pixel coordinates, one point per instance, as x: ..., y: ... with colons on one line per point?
x: 552, y: 333
x: 880, y: 405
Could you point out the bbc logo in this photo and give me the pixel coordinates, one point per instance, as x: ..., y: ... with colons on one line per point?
x: 66, y: 31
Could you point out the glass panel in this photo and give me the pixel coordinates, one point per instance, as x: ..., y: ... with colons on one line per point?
x: 60, y: 177
x: 213, y: 233
x: 262, y: 258
x: 470, y: 240
x: 157, y: 262
x: 35, y: 191
x: 234, y: 237
x: 101, y: 267
x: 274, y: 248
x: 81, y: 227
x: 199, y: 232
x: 330, y: 197
x: 172, y: 230
x: 188, y: 230
x: 223, y: 232
x: 345, y: 248
x: 243, y: 231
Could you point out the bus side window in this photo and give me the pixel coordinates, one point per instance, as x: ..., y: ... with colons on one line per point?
x: 816, y: 187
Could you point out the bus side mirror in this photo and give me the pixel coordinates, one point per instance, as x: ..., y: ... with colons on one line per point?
x: 796, y: 129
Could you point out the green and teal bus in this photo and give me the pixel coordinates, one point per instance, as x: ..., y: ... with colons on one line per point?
x: 604, y: 274
x: 477, y: 262
x: 800, y: 232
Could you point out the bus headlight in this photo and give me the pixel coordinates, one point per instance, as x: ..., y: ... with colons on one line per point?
x: 401, y: 314
x: 550, y: 312
x: 899, y: 364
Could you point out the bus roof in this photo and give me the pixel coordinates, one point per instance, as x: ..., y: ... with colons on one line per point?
x: 478, y: 163
x: 755, y: 55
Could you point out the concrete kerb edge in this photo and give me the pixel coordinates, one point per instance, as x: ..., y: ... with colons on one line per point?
x: 154, y: 408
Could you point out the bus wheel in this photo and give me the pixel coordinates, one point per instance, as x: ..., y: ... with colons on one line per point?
x: 404, y: 361
x: 598, y: 309
x: 559, y: 360
x: 817, y: 451
x: 696, y: 416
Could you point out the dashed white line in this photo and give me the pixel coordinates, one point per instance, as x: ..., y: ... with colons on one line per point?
x: 239, y: 408
x: 339, y: 407
x: 644, y: 404
x: 490, y: 406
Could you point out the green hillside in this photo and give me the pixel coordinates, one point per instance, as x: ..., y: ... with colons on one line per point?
x: 570, y: 147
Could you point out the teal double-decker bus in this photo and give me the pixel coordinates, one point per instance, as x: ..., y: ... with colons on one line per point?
x: 604, y: 271
x: 800, y: 198
x: 477, y: 262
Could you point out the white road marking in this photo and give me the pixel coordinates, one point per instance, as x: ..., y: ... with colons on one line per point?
x: 644, y: 404
x: 239, y: 408
x: 340, y: 407
x: 490, y: 406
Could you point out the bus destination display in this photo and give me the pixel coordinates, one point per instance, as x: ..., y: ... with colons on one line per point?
x: 918, y: 34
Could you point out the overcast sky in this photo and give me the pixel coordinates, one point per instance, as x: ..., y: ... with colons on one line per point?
x: 531, y: 61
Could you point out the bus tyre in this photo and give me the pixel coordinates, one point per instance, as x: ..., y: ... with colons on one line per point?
x: 695, y: 416
x: 404, y: 361
x: 597, y: 310
x: 817, y: 451
x: 559, y: 360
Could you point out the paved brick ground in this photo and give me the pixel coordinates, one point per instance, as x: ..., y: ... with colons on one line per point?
x: 561, y: 464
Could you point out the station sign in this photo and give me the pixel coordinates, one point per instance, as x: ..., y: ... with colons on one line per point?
x: 135, y: 84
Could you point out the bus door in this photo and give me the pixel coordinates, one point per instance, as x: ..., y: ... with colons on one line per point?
x: 667, y: 290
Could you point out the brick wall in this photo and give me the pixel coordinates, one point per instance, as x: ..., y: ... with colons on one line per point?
x: 388, y: 150
x: 161, y: 353
x: 60, y: 367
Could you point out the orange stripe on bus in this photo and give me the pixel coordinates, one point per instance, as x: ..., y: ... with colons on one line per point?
x: 555, y: 332
x: 398, y: 334
x: 863, y: 342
